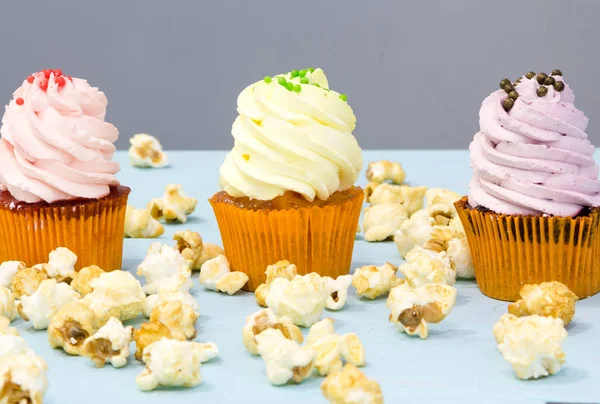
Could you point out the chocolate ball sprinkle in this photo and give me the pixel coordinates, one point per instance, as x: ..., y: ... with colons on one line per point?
x: 556, y: 72
x: 504, y: 82
x: 549, y: 81
x: 542, y: 91
x: 508, y: 104
x: 541, y: 77
x: 530, y: 75
x: 513, y: 95
x: 508, y: 88
x: 559, y: 86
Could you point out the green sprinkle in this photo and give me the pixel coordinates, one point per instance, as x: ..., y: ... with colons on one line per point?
x: 282, y: 81
x: 311, y: 69
x: 268, y: 79
x: 289, y: 86
x: 297, y: 88
x: 316, y: 85
x: 304, y: 80
x: 343, y: 97
x: 302, y: 73
x: 294, y: 73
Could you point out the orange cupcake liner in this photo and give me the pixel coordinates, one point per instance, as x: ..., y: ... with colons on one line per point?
x: 510, y: 251
x: 315, y: 239
x: 93, y: 229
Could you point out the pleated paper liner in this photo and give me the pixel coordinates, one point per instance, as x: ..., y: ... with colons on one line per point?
x: 92, y: 229
x: 315, y: 239
x: 512, y: 250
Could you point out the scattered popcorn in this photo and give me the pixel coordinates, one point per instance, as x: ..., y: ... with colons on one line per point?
x: 353, y: 350
x: 70, y: 326
x: 380, y: 222
x: 320, y: 329
x: 285, y: 359
x: 164, y: 268
x: 208, y: 351
x: 5, y: 328
x: 119, y: 281
x: 146, y: 151
x: 369, y: 189
x: 384, y: 170
x: 109, y: 345
x: 263, y: 320
x: 550, y: 299
x: 8, y: 306
x: 174, y: 205
x: 190, y: 246
x: 139, y: 223
x: 302, y: 299
x: 39, y: 307
x: 351, y: 386
x: 147, y: 334
x: 26, y: 281
x: 371, y: 281
x: 337, y: 291
x: 11, y: 345
x: 8, y: 270
x: 410, y: 197
x: 232, y: 282
x: 414, y: 231
x: 179, y: 317
x: 209, y: 252
x: 441, y: 213
x: 165, y: 296
x: 61, y: 264
x: 425, y: 266
x: 23, y: 379
x: 439, y: 195
x: 532, y: 345
x: 215, y: 275
x: 282, y: 269
x: 413, y: 308
x: 329, y: 354
x: 460, y: 257
x: 83, y: 278
x: 171, y: 363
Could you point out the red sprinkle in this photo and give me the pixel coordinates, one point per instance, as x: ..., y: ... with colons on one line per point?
x: 47, y: 72
x: 44, y: 84
x: 70, y: 78
x: 57, y: 72
x: 30, y: 79
x: 20, y: 101
x: 60, y: 80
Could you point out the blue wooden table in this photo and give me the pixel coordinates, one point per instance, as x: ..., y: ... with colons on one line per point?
x: 458, y: 363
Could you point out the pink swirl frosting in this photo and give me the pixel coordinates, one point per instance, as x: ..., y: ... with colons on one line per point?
x: 55, y: 144
x: 536, y: 158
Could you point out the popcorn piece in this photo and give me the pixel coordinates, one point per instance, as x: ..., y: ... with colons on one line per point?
x: 266, y: 319
x: 208, y: 351
x: 329, y: 354
x: 5, y: 328
x: 302, y: 299
x: 282, y: 269
x: 369, y: 189
x: 146, y: 151
x: 460, y: 257
x: 116, y: 294
x: 8, y: 270
x: 120, y: 281
x: 40, y: 307
x: 190, y: 246
x: 410, y: 197
x: 337, y: 291
x: 425, y: 266
x: 285, y: 359
x: 139, y: 223
x: 319, y: 330
x: 215, y: 275
x: 83, y: 278
x: 109, y: 345
x: 384, y: 170
x: 26, y: 281
x: 23, y: 379
x: 174, y: 205
x: 351, y: 386
x: 414, y: 231
x: 380, y: 222
x: 353, y: 350
x: 164, y: 268
x: 371, y: 281
x: 550, y: 299
x: 165, y: 296
x: 171, y: 363
x: 532, y: 345
x: 11, y: 345
x: 439, y: 195
x: 147, y: 334
x: 412, y: 308
x: 70, y: 326
x: 179, y: 317
x: 61, y: 264
x: 260, y: 294
x: 8, y: 306
x: 232, y: 282
x: 209, y: 252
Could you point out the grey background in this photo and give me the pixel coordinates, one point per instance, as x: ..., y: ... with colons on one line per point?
x: 415, y: 72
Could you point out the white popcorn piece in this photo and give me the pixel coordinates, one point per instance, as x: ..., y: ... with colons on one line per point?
x: 209, y: 251
x: 23, y: 379
x: 413, y: 308
x: 266, y: 319
x: 70, y: 326
x: 460, y: 257
x: 215, y: 275
x: 109, y: 345
x: 371, y: 281
x: 353, y: 350
x: 171, y: 363
x: 12, y: 345
x: 120, y: 281
x: 414, y: 231
x: 208, y: 351
x: 139, y: 223
x: 5, y: 328
x: 26, y: 281
x: 320, y: 329
x: 190, y: 246
x: 439, y: 195
x: 175, y: 205
x: 166, y: 296
x: 8, y: 270
x: 351, y: 386
x: 285, y: 359
x: 281, y: 269
x: 232, y: 282
x: 8, y: 306
x: 148, y: 333
x: 164, y: 268
x: 146, y: 151
x: 381, y: 222
x: 84, y: 277
x: 532, y: 345
x: 425, y: 266
x: 179, y: 317
x: 385, y: 170
x: 551, y: 299
x: 302, y: 299
x: 409, y: 197
x: 369, y: 189
x: 39, y: 307
x: 61, y: 264
x: 329, y: 354
x: 337, y: 291
x: 116, y: 294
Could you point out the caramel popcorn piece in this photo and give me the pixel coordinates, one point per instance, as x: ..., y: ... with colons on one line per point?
x: 232, y: 282
x: 146, y: 151
x: 109, y: 345
x: 550, y: 299
x: 414, y: 231
x: 532, y: 344
x: 179, y: 317
x: 70, y: 326
x: 147, y: 334
x: 5, y: 328
x: 209, y: 252
x: 409, y: 197
x: 351, y: 386
x: 426, y: 266
x: 26, y: 281
x: 83, y: 278
x: 40, y: 307
x: 8, y: 306
x: 328, y: 351
x: 139, y: 223
x: 190, y: 246
x: 285, y: 359
x: 337, y: 291
x: 371, y: 281
x: 23, y: 379
x: 215, y: 275
x: 8, y: 270
x: 413, y: 308
x: 381, y: 222
x: 302, y: 299
x: 384, y: 170
x: 263, y: 320
x: 175, y: 205
x: 164, y: 268
x: 353, y: 350
x: 166, y: 296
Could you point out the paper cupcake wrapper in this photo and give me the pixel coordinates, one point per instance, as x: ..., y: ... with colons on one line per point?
x: 92, y: 229
x: 510, y: 251
x: 315, y: 239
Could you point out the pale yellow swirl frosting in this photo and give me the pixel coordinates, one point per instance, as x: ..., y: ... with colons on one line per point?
x: 292, y: 141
